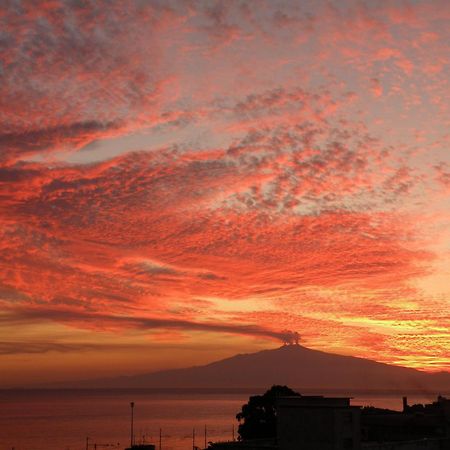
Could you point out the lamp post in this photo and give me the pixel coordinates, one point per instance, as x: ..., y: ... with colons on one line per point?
x: 132, y: 430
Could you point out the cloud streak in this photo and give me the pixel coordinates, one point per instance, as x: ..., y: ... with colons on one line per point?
x: 142, y: 323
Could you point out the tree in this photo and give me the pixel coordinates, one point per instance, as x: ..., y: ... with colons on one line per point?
x: 258, y: 417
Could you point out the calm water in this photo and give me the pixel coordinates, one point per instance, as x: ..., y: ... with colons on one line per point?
x: 61, y: 420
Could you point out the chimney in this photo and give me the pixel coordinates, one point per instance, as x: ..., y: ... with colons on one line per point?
x: 405, y: 404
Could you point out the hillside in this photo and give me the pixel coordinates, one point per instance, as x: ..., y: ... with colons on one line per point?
x: 292, y: 365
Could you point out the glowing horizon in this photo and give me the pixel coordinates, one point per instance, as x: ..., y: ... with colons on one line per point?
x: 183, y: 181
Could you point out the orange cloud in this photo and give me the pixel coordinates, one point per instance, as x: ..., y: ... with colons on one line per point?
x: 211, y: 169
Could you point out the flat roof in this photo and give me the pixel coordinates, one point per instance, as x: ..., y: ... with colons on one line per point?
x: 313, y: 400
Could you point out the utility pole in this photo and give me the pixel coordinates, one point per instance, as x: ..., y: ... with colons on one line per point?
x: 193, y: 438
x: 87, y: 442
x: 205, y: 436
x: 160, y: 438
x: 132, y: 425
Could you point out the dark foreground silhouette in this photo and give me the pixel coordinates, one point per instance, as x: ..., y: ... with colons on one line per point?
x: 282, y: 419
x: 258, y: 418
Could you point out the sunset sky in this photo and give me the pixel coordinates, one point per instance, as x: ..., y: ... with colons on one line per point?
x: 184, y: 181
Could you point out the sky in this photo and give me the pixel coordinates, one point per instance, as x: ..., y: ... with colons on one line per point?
x: 184, y: 181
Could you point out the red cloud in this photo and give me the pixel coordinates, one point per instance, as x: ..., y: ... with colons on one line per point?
x: 269, y: 179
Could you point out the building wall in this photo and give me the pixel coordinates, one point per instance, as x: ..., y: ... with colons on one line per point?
x: 318, y: 427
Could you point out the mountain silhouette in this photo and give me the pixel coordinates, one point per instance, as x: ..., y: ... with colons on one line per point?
x: 292, y: 365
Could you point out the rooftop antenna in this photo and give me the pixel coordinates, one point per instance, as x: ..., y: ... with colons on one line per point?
x: 132, y: 424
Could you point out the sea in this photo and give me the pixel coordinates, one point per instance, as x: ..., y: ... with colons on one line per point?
x: 170, y: 419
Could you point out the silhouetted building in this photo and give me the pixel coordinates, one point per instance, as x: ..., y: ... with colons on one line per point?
x: 318, y: 423
x: 308, y: 423
x: 415, y: 424
x: 328, y: 423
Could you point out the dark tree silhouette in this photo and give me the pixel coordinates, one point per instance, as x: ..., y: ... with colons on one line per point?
x: 258, y: 417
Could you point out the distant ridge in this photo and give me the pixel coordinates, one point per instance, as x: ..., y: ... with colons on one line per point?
x: 292, y: 365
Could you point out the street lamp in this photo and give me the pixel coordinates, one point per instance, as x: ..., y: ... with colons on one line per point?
x: 131, y: 431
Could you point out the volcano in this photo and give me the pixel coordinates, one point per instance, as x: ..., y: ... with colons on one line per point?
x: 292, y: 365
